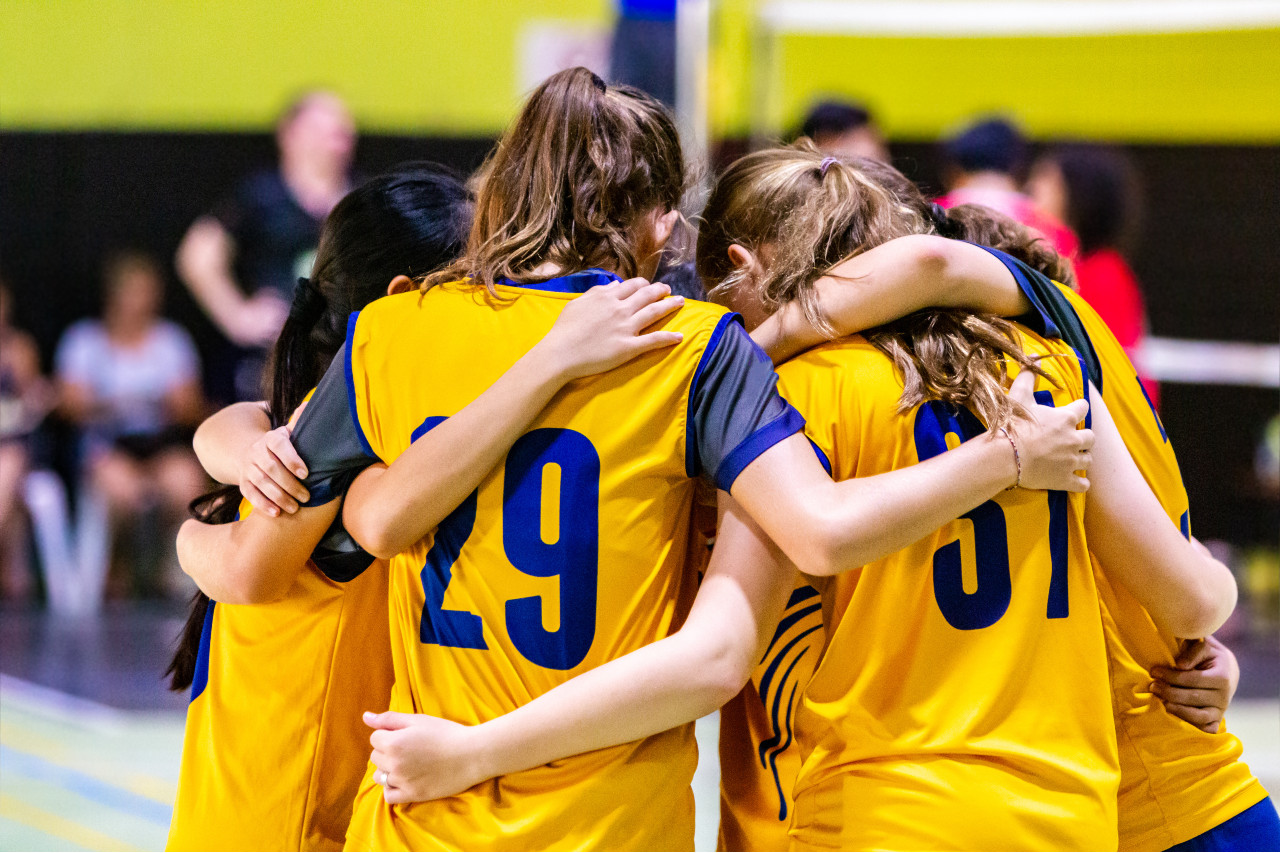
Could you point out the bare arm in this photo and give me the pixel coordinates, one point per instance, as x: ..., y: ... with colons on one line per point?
x: 1188, y: 593
x: 657, y: 687
x: 891, y: 281
x: 256, y: 559
x: 826, y: 527
x: 204, y: 263
x: 389, y: 509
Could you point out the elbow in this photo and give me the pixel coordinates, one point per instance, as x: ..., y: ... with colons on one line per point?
x: 375, y: 535
x: 1206, y: 609
x: 723, y: 677
x: 824, y: 550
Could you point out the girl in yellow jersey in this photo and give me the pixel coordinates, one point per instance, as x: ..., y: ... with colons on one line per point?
x: 272, y: 750
x: 571, y: 552
x: 274, y: 746
x: 972, y: 762
x: 1183, y: 785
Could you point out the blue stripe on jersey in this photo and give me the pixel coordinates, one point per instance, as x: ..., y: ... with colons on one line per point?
x: 780, y: 743
x: 781, y: 427
x: 1042, y: 321
x: 351, y: 387
x: 787, y: 622
x: 692, y: 465
x: 822, y: 457
x: 1184, y: 524
x: 1152, y: 405
x: 200, y: 679
x: 578, y: 282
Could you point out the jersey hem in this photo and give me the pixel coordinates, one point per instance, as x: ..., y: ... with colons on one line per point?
x: 1176, y: 832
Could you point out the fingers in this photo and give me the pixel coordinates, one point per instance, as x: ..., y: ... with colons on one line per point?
x: 1193, y: 655
x: 1190, y: 678
x: 1023, y: 388
x: 269, y: 488
x: 646, y: 295
x: 1202, y: 718
x: 1193, y: 697
x: 650, y: 314
x: 1076, y: 484
x: 1076, y: 409
x: 282, y: 449
x: 259, y: 501
x: 624, y: 289
x: 388, y: 720
x: 655, y: 340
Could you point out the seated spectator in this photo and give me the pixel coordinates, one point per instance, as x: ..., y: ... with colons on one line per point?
x: 983, y: 164
x: 1093, y: 188
x: 845, y: 129
x: 25, y: 398
x: 131, y: 382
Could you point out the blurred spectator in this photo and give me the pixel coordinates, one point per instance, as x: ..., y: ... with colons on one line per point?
x: 845, y: 129
x: 644, y: 48
x: 983, y: 165
x: 241, y: 261
x: 1093, y: 189
x: 25, y: 398
x: 131, y: 382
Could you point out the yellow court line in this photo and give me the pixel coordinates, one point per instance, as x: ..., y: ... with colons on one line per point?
x: 144, y: 785
x: 57, y: 826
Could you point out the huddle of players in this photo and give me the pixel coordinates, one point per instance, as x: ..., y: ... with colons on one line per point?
x: 557, y: 464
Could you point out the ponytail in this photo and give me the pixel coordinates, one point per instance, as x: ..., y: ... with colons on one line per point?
x: 409, y: 221
x: 816, y: 212
x: 571, y: 182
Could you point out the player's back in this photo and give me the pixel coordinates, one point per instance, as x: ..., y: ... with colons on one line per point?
x: 274, y: 747
x: 570, y: 553
x: 961, y: 701
x: 1176, y: 781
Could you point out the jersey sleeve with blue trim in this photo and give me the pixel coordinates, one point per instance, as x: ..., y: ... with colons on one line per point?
x: 1052, y: 315
x: 330, y: 443
x: 735, y: 410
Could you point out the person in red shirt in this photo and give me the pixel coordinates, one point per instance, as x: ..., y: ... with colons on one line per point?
x: 1093, y: 188
x: 983, y: 164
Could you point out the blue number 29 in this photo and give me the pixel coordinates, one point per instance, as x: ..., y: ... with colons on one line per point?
x: 573, y: 557
x: 984, y: 606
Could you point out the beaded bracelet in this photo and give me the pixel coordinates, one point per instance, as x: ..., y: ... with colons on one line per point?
x: 1017, y: 459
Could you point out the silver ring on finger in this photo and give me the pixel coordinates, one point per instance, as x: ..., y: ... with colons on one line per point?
x: 385, y: 776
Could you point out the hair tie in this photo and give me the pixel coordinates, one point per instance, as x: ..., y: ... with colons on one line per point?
x: 308, y: 301
x: 598, y: 82
x: 942, y: 221
x: 826, y: 163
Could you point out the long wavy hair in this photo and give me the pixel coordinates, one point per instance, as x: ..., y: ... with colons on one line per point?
x: 812, y: 213
x: 410, y: 221
x: 571, y: 182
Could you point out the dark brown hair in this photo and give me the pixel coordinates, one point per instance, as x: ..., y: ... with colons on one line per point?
x: 570, y: 182
x: 814, y: 212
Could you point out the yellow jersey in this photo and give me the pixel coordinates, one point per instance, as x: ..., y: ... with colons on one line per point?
x: 759, y: 755
x: 1176, y: 781
x: 572, y: 552
x: 274, y: 746
x: 962, y: 701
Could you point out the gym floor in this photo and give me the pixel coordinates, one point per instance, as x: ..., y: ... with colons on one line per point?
x: 90, y: 740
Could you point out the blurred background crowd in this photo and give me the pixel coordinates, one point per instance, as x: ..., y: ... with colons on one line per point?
x: 165, y: 172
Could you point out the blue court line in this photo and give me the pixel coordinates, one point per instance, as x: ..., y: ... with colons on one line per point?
x: 103, y: 793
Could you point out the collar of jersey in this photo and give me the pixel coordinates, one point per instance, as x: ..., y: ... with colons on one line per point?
x: 578, y: 282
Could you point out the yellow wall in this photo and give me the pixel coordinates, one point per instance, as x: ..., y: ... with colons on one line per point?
x: 440, y: 66
x: 451, y: 67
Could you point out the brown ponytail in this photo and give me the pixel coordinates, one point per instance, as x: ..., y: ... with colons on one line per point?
x: 806, y: 214
x: 570, y: 182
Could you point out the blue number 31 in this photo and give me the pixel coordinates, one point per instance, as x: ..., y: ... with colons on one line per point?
x: 573, y: 557
x: 984, y: 606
